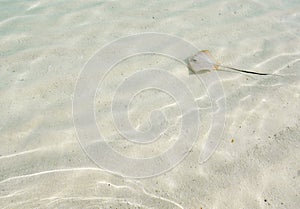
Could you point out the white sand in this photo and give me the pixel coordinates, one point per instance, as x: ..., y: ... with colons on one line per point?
x: 44, y: 46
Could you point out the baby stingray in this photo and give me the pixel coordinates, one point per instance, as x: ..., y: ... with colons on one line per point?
x: 203, y: 62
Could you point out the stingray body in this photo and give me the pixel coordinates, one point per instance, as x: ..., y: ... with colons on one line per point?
x: 203, y: 62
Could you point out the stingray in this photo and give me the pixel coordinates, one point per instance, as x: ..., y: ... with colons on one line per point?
x: 203, y: 62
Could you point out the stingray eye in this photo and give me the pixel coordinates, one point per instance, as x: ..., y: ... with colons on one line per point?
x: 194, y: 60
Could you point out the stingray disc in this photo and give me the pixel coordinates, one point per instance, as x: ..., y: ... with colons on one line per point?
x: 202, y: 61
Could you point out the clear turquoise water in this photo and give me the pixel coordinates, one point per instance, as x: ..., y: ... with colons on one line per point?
x: 44, y: 46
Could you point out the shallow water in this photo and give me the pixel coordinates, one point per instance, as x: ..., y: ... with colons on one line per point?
x: 45, y: 45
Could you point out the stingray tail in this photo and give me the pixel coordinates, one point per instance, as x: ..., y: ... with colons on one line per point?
x: 245, y: 71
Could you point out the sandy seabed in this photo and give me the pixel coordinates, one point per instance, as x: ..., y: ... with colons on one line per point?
x: 44, y: 46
